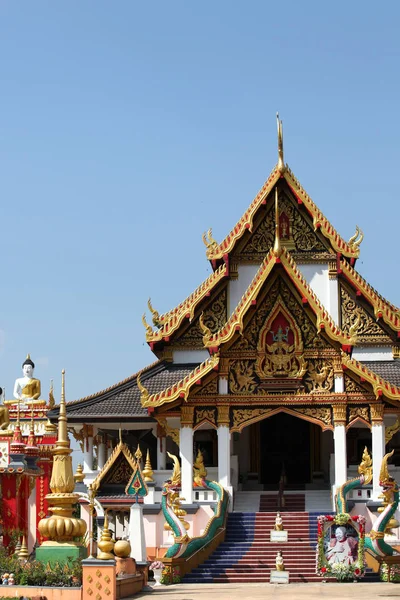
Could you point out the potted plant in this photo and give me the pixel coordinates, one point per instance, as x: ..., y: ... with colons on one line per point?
x: 157, y: 568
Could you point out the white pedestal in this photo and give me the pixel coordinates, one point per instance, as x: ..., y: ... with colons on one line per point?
x: 279, y: 536
x: 279, y: 577
x: 136, y: 534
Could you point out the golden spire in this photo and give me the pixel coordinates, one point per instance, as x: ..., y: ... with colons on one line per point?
x: 62, y: 479
x: 148, y: 471
x: 281, y: 163
x: 277, y: 243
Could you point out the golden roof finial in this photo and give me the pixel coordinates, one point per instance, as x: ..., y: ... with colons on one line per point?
x: 148, y: 470
x: 155, y: 313
x: 149, y: 329
x: 277, y: 243
x: 144, y: 391
x: 52, y: 402
x: 357, y: 238
x: 281, y: 163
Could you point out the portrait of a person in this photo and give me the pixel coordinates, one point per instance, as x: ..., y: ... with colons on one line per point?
x: 342, y: 548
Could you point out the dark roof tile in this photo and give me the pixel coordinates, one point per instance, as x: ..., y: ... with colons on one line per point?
x: 387, y: 369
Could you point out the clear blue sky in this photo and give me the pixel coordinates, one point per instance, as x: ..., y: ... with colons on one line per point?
x: 128, y: 128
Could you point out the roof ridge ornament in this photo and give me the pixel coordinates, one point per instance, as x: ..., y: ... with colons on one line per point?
x: 277, y: 243
x: 143, y: 390
x: 208, y: 239
x: 357, y: 238
x: 155, y: 314
x: 281, y: 162
x: 149, y: 329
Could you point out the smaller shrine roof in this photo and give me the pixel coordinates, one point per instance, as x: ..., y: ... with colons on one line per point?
x: 122, y: 400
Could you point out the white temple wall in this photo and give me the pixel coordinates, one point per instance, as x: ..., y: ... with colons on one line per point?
x: 182, y: 357
x: 372, y: 353
x: 237, y: 287
x: 326, y: 289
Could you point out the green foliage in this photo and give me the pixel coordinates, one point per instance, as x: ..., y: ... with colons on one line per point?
x: 36, y: 573
x: 394, y: 573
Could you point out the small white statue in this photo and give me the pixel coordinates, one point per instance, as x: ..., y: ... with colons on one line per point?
x: 279, y: 562
x: 27, y: 387
x: 278, y: 522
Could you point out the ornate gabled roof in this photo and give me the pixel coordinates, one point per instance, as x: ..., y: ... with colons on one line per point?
x: 382, y: 308
x: 122, y: 401
x: 170, y: 321
x: 181, y: 388
x: 349, y: 249
x: 235, y: 321
x: 380, y: 385
x: 120, y: 449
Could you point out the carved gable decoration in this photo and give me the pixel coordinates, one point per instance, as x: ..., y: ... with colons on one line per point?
x: 356, y: 320
x: 120, y: 473
x: 210, y: 387
x: 214, y: 317
x: 280, y: 352
x: 279, y: 289
x: 296, y: 232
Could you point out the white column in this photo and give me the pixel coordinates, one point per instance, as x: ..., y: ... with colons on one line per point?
x: 339, y: 384
x: 186, y: 453
x: 161, y: 453
x: 339, y: 438
x: 224, y: 456
x: 333, y: 297
x: 87, y: 449
x: 101, y: 452
x: 137, y: 536
x: 378, y: 447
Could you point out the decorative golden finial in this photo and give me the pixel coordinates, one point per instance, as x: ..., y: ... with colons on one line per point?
x: 23, y: 554
x: 281, y: 163
x: 155, y: 313
x: 148, y: 471
x: 138, y: 454
x: 79, y: 475
x: 28, y: 357
x: 106, y: 544
x: 144, y: 391
x: 277, y: 243
x: 149, y: 329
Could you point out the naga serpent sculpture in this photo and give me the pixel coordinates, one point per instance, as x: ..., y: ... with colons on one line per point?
x: 184, y: 546
x: 374, y: 541
x: 365, y: 477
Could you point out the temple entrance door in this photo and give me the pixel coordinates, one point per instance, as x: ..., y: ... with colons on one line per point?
x: 285, y: 443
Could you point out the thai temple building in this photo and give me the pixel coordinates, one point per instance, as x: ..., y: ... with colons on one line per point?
x: 270, y: 378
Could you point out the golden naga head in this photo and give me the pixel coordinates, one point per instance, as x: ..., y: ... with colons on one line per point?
x: 365, y: 466
x: 176, y: 473
x: 385, y: 480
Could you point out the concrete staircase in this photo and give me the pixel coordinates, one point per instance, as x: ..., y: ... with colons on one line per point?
x: 290, y: 503
x: 247, y: 555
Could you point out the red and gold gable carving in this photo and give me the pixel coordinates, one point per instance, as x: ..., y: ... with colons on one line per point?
x: 278, y: 289
x: 297, y: 233
x: 280, y: 350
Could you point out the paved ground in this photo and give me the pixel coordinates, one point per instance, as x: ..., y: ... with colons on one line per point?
x: 253, y: 591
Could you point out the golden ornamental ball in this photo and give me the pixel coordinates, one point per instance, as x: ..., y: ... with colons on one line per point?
x: 122, y: 549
